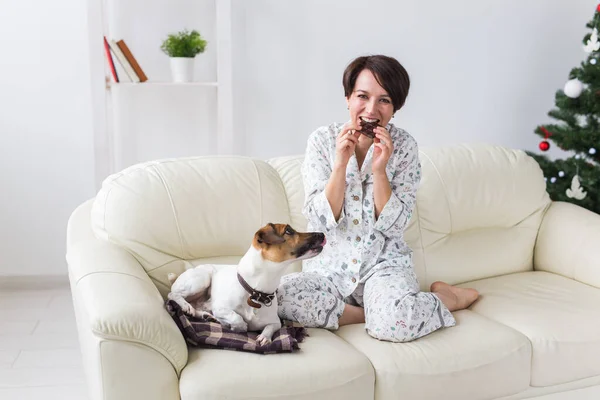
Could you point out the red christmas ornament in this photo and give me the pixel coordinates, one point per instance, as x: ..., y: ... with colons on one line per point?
x: 598, y: 8
x: 544, y: 145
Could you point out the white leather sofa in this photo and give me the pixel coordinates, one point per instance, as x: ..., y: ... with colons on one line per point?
x: 483, y: 219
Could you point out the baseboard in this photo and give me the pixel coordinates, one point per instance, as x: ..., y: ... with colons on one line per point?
x: 34, y: 282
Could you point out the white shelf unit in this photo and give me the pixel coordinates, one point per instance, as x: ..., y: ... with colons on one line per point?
x: 112, y: 84
x: 137, y: 122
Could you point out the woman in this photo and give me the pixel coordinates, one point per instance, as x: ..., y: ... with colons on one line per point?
x: 360, y: 191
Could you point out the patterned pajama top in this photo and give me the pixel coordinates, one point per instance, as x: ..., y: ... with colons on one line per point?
x: 357, y: 244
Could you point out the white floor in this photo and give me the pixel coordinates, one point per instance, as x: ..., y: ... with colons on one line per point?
x: 39, y: 351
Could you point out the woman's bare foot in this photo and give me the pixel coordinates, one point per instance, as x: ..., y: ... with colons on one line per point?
x: 352, y: 315
x: 454, y: 298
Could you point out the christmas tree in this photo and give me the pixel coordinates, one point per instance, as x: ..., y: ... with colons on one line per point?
x: 575, y: 179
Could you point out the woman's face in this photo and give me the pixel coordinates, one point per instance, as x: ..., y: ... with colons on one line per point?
x: 369, y: 101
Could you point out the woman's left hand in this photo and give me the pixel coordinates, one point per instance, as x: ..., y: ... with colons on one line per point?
x: 383, y: 149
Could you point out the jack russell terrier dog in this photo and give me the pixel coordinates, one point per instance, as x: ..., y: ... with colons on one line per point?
x: 242, y: 297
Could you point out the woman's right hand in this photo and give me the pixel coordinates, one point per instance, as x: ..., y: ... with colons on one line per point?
x: 345, y: 144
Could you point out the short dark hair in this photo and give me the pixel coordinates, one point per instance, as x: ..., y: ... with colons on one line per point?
x: 388, y: 72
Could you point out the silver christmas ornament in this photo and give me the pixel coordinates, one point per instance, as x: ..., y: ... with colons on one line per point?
x: 561, y: 173
x: 576, y: 191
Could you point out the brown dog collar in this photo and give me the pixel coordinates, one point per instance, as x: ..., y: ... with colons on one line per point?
x: 256, y: 298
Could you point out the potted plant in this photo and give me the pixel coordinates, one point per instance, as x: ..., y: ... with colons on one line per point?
x: 182, y: 49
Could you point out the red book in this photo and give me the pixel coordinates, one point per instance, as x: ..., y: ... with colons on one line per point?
x: 111, y: 63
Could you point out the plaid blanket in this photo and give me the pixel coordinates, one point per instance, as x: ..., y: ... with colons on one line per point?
x: 211, y: 334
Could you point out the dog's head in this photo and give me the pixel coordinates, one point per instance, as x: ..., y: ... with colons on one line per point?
x: 280, y: 242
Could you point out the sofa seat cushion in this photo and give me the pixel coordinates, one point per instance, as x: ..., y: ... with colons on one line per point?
x: 475, y: 359
x: 560, y: 316
x: 325, y: 367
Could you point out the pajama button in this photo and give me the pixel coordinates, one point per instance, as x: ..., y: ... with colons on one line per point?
x: 355, y: 222
x: 355, y: 198
x: 358, y: 238
x: 354, y: 261
x: 353, y: 280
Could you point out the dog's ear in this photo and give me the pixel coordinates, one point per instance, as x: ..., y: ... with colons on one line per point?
x: 269, y: 235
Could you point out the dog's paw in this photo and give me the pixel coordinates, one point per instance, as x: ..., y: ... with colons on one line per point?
x: 205, y: 315
x: 188, y: 309
x: 262, y: 340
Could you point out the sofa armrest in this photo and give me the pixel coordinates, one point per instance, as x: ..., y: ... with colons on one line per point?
x: 568, y: 243
x: 121, y: 301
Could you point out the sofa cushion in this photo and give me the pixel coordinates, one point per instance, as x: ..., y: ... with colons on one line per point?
x: 560, y: 317
x: 475, y: 359
x: 326, y: 367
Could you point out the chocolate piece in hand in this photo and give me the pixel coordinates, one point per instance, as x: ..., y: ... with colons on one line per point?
x: 366, y: 128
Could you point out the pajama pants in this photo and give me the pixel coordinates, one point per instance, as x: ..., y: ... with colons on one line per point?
x: 395, y: 308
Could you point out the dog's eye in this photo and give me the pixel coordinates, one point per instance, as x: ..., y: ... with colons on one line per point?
x: 289, y: 231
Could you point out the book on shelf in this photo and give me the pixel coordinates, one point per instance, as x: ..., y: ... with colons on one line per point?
x: 123, y: 61
x: 126, y: 59
x: 132, y: 60
x: 111, y: 63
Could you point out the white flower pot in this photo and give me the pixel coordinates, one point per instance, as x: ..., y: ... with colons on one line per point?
x: 182, y: 69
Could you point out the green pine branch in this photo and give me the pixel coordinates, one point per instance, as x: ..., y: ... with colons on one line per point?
x: 577, y: 129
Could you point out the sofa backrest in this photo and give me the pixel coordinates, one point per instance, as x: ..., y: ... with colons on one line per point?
x: 177, y: 213
x: 477, y: 214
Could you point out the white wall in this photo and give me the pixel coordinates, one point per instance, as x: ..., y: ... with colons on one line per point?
x: 481, y: 71
x: 46, y: 153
